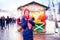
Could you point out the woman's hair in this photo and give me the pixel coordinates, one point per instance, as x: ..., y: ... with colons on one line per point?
x: 33, y: 18
x: 26, y: 10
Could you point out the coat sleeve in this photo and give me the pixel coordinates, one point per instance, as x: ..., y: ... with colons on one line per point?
x: 31, y: 21
x: 23, y: 23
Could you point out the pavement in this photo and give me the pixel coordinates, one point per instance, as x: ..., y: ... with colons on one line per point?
x: 13, y: 34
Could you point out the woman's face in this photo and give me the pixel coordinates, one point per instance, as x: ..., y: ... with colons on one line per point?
x: 26, y: 13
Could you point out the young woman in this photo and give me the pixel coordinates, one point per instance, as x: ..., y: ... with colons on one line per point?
x: 27, y: 25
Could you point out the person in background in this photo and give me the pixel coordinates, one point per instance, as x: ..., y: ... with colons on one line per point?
x: 7, y: 21
x: 19, y: 25
x: 2, y: 22
x: 10, y: 21
x: 18, y: 21
x: 13, y: 21
x: 27, y: 24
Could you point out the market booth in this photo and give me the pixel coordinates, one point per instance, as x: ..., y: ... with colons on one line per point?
x: 38, y: 12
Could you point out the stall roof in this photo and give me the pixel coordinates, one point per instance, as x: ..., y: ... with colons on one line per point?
x: 33, y: 2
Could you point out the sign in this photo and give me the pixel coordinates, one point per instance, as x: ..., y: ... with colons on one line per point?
x: 34, y: 9
x: 38, y: 27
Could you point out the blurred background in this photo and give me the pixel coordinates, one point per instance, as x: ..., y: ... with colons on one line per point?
x: 12, y: 10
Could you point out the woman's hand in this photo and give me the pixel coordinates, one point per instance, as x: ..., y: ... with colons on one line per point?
x: 29, y: 19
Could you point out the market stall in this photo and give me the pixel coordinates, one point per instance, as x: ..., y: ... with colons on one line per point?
x: 38, y: 12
